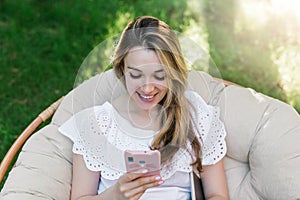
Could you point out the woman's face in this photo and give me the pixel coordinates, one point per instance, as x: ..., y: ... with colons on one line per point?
x: 145, y: 77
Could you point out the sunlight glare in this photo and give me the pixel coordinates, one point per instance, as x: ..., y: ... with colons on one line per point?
x: 283, y: 6
x: 260, y: 11
x: 282, y: 17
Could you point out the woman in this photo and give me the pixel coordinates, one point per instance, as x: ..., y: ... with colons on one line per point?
x: 157, y: 113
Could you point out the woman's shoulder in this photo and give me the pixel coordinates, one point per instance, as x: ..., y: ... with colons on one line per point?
x: 89, y: 130
x: 88, y: 118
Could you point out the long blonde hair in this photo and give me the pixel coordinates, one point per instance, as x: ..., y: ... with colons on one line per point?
x: 176, y: 129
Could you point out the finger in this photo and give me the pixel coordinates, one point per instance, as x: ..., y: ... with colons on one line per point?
x: 142, y: 187
x: 142, y: 181
x: 129, y: 176
x: 145, y: 182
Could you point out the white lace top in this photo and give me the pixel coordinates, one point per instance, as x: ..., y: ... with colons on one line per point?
x: 102, y: 135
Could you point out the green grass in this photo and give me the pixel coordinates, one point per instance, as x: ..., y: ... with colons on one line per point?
x: 43, y: 44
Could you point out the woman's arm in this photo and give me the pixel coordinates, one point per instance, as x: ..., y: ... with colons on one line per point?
x: 214, y: 182
x: 85, y: 184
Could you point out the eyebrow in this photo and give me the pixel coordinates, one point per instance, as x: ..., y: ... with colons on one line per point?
x: 160, y: 70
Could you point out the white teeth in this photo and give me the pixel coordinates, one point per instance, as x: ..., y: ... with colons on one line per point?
x: 146, y: 97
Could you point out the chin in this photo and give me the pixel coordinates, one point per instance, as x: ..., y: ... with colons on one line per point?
x: 146, y: 107
x: 143, y: 105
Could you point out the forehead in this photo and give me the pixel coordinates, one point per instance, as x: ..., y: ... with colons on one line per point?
x: 142, y: 59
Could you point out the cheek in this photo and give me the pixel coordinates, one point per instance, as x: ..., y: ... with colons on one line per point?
x: 131, y: 85
x: 164, y: 90
x: 163, y: 86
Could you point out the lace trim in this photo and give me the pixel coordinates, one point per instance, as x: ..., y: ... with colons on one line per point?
x: 98, y: 138
x: 209, y: 129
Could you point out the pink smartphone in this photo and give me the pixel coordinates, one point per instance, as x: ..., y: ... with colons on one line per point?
x: 149, y: 160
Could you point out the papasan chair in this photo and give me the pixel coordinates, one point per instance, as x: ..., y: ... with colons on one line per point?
x: 263, y: 135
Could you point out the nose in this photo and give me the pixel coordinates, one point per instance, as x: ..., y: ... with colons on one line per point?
x: 147, y: 88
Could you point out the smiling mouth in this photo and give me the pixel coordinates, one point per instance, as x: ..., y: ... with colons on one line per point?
x: 146, y: 98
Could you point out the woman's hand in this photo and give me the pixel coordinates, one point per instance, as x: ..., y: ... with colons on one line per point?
x: 132, y: 185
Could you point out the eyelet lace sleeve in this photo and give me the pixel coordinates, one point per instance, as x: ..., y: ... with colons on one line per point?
x: 208, y: 128
x: 89, y: 130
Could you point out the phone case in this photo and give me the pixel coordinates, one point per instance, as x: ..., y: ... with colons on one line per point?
x: 149, y: 160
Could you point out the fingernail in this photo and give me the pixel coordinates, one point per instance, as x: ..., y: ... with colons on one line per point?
x: 144, y: 171
x: 157, y: 178
x: 161, y: 182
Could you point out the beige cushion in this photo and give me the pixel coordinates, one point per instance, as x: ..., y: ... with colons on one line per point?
x: 263, y: 156
x: 262, y: 160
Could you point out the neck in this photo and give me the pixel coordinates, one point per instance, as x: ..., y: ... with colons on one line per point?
x: 148, y: 119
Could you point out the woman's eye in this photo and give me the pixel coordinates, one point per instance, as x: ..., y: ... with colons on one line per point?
x: 135, y: 76
x: 160, y: 78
